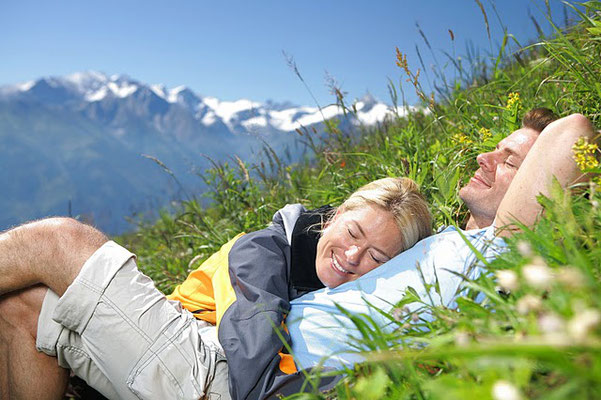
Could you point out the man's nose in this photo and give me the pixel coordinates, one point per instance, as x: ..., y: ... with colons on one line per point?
x: 486, y: 161
x: 352, y: 254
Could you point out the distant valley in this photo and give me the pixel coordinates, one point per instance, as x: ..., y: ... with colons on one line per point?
x: 75, y: 144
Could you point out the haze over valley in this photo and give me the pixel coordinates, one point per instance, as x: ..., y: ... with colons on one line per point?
x: 85, y: 144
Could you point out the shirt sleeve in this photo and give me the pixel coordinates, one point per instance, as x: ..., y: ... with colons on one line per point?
x: 252, y: 330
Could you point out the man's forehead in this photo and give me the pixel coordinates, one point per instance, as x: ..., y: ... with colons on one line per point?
x: 519, y: 142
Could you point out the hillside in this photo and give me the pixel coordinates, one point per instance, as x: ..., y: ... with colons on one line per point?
x: 503, y: 347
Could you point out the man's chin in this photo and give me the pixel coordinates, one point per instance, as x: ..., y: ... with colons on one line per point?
x: 470, y: 197
x: 464, y: 193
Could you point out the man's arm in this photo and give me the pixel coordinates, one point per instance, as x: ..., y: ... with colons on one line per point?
x: 550, y: 156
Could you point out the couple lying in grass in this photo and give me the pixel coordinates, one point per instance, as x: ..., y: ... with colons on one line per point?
x: 70, y: 299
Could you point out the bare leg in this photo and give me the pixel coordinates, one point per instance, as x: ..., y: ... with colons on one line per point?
x: 24, y: 372
x: 50, y: 251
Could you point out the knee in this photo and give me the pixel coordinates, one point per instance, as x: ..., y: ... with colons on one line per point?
x: 72, y: 230
x: 69, y: 238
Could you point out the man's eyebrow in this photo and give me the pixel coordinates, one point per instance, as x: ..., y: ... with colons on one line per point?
x: 507, y: 149
x: 358, y: 225
x: 511, y: 152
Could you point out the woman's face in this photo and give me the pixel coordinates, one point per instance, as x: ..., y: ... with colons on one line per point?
x: 354, y: 242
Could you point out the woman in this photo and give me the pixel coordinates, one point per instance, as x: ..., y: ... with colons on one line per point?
x: 245, y: 289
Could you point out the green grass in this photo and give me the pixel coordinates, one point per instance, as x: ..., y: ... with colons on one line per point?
x: 536, y: 340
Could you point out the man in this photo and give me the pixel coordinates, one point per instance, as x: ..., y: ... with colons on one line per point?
x: 39, y: 255
x: 497, y: 195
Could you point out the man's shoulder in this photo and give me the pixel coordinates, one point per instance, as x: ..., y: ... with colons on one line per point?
x: 450, y: 245
x: 461, y: 243
x: 451, y: 232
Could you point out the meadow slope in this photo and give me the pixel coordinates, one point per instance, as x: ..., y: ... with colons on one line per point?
x: 542, y: 341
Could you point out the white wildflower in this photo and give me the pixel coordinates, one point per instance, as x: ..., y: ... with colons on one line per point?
x: 537, y: 274
x: 397, y: 314
x: 507, y: 279
x: 551, y: 323
x: 462, y: 339
x: 525, y: 249
x: 553, y: 329
x: 503, y: 390
x: 571, y: 277
x: 583, y: 323
x: 528, y: 303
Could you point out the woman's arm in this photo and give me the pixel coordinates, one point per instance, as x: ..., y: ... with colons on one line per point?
x: 252, y: 331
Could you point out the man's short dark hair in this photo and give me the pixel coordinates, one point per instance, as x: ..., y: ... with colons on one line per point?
x: 538, y: 118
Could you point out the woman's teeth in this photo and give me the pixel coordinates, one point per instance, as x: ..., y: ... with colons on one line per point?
x: 338, y: 267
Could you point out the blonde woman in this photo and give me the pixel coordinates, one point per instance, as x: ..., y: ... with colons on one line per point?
x: 255, y: 276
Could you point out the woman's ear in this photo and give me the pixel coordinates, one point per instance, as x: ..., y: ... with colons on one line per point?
x: 332, y: 219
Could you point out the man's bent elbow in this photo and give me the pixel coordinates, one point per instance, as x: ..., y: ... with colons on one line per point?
x: 576, y: 125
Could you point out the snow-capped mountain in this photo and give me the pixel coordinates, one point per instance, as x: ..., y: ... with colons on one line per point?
x: 78, y: 140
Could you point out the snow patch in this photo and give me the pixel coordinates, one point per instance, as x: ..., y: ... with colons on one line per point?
x: 96, y: 96
x: 226, y: 110
x: 377, y: 113
x: 255, y: 122
x: 23, y: 87
x: 174, y: 93
x: 209, y: 118
x: 123, y: 89
x: 159, y: 90
x: 85, y: 78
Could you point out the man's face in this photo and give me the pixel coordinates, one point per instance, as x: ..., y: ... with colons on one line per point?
x: 488, y: 186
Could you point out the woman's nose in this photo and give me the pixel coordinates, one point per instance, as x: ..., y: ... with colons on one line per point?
x: 352, y: 254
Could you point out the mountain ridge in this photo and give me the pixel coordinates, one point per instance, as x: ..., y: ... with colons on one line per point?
x: 78, y: 139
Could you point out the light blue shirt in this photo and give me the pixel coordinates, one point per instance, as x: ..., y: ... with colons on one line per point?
x: 321, y: 333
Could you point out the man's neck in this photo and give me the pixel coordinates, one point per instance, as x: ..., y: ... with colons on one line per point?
x: 475, y: 222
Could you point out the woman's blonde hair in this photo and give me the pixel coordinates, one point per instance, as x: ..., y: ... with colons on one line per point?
x: 402, y: 198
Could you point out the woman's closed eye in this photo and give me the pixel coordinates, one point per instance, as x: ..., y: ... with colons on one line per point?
x: 376, y: 258
x: 351, y: 233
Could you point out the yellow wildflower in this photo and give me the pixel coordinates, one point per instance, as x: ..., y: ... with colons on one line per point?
x: 513, y: 100
x: 584, y: 154
x: 485, y: 133
x: 461, y: 138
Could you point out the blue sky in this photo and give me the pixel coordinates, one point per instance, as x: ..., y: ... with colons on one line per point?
x: 233, y: 49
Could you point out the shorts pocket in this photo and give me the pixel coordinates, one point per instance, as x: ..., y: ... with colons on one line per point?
x: 169, y: 368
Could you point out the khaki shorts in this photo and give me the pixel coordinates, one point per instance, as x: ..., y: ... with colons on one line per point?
x: 116, y: 331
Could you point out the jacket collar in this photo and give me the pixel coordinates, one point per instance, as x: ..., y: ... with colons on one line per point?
x: 303, y: 250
